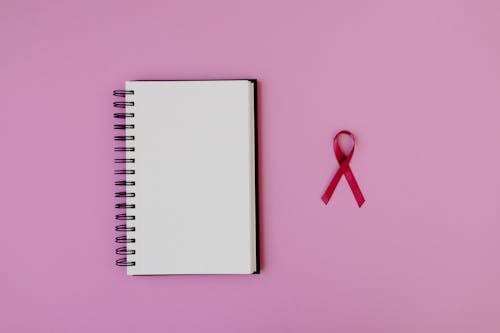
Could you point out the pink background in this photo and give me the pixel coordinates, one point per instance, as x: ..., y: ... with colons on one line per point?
x: 418, y: 82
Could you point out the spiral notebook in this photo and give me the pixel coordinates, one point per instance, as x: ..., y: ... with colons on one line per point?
x: 186, y: 177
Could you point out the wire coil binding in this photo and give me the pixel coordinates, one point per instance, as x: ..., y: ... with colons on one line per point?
x: 123, y: 239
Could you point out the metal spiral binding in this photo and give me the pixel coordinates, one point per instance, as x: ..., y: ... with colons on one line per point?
x: 124, y: 250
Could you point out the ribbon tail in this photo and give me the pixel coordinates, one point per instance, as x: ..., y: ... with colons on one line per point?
x: 353, y: 184
x: 331, y: 187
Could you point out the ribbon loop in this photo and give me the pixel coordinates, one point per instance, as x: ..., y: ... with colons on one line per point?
x: 344, y: 169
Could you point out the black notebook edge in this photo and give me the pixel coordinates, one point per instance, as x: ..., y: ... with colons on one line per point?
x: 256, y: 161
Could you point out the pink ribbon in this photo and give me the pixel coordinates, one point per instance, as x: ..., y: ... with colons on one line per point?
x: 345, y: 170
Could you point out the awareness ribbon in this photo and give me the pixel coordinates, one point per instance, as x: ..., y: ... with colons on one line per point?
x: 345, y: 170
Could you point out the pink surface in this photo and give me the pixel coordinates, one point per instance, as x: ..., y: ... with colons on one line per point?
x: 418, y: 82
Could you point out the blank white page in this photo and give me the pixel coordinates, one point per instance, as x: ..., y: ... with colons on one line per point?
x: 194, y: 177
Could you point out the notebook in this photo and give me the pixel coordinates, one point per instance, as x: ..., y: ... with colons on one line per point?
x: 186, y: 177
